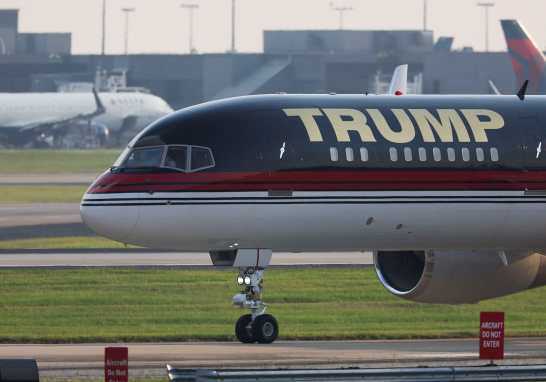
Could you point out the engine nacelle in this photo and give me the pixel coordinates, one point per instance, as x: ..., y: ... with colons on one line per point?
x: 458, y: 277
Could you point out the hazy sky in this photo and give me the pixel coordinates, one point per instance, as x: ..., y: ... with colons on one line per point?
x: 161, y: 26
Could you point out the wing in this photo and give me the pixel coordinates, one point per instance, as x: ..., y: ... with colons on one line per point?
x: 59, y: 123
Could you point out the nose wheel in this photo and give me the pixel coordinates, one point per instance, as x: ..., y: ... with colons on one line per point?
x: 255, y: 327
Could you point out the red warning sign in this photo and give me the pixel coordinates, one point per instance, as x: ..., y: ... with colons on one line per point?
x: 116, y: 364
x: 492, y: 335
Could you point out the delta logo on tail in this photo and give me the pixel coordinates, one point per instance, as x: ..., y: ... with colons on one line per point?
x: 527, y: 59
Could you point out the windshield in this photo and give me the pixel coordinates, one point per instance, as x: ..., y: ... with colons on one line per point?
x: 148, y: 157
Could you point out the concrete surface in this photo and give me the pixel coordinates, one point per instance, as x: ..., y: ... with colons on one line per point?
x: 38, y: 231
x: 48, y: 179
x: 35, y: 214
x: 217, y: 353
x: 134, y: 258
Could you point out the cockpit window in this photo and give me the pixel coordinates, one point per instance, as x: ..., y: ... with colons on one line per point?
x: 177, y: 157
x: 122, y: 157
x: 148, y: 157
x: 201, y: 158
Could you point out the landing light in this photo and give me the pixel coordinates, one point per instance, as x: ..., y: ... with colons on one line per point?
x: 240, y: 280
x: 247, y: 280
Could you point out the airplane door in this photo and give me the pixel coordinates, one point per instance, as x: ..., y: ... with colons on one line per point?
x: 532, y: 145
x: 278, y: 152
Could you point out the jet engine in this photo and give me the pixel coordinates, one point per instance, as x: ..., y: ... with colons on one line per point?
x: 459, y: 277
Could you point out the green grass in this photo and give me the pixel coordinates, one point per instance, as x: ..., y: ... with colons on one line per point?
x: 166, y: 305
x: 41, y: 194
x: 56, y: 161
x: 63, y: 242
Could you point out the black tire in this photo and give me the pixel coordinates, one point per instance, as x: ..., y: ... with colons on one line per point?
x: 265, y: 329
x: 242, y: 333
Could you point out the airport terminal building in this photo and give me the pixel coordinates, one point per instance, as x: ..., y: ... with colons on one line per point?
x: 305, y: 61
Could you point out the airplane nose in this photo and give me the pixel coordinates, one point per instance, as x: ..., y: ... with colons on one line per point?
x: 109, y: 219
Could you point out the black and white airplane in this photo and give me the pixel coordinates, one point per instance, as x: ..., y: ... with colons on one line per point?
x: 448, y: 191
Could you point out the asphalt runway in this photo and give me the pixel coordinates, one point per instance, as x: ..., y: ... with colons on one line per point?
x: 47, y: 179
x: 201, y: 354
x: 12, y: 215
x: 45, y: 230
x: 41, y: 220
x: 130, y: 258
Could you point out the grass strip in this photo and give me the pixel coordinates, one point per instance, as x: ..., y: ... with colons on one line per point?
x: 63, y: 243
x: 166, y: 305
x: 41, y: 194
x: 56, y: 161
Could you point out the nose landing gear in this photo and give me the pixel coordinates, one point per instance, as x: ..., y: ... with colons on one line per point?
x: 255, y: 327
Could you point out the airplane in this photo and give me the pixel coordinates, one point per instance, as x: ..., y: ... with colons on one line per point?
x: 527, y: 59
x: 448, y: 191
x: 24, y: 116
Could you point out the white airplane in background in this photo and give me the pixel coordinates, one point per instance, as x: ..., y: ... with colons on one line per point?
x: 24, y: 116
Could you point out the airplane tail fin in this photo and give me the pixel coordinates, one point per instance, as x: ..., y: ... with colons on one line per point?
x: 527, y: 59
x: 399, y: 82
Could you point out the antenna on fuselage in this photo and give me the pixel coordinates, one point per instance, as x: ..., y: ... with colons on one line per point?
x: 399, y: 82
x: 521, y: 93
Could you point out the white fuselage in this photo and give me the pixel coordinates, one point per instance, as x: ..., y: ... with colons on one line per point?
x: 20, y: 109
x: 321, y: 221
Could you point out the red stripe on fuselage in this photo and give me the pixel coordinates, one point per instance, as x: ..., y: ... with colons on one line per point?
x: 370, y: 180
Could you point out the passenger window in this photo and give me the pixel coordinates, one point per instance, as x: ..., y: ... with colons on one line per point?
x: 364, y: 154
x: 149, y: 157
x: 177, y: 157
x: 437, y: 154
x: 394, y: 154
x: 407, y: 154
x: 466, y: 154
x: 201, y: 158
x: 451, y: 154
x: 422, y: 154
x: 333, y: 154
x: 479, y: 154
x: 494, y: 154
x: 349, y: 154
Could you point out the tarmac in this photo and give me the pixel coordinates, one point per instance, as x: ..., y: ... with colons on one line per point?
x: 41, y: 258
x: 233, y: 354
x: 47, y: 179
x: 12, y: 215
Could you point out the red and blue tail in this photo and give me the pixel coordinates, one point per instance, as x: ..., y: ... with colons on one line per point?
x: 527, y: 60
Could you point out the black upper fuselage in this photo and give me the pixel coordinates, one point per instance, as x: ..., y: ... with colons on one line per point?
x: 246, y: 134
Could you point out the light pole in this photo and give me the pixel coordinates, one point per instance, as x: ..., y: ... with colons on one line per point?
x: 103, y: 23
x: 233, y: 26
x: 340, y: 10
x: 127, y: 11
x: 486, y: 6
x: 191, y: 7
x: 425, y: 15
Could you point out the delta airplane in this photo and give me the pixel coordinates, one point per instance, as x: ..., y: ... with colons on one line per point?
x: 448, y: 191
x: 527, y: 59
x: 24, y: 116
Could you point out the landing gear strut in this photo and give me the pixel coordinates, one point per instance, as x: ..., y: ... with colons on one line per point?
x: 255, y: 327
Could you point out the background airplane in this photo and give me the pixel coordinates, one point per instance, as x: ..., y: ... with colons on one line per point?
x: 26, y: 116
x: 527, y: 59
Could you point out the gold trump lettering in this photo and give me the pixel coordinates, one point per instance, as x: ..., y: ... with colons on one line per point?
x: 345, y: 120
x: 408, y: 131
x: 478, y: 127
x: 448, y: 118
x: 357, y: 123
x: 307, y: 117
